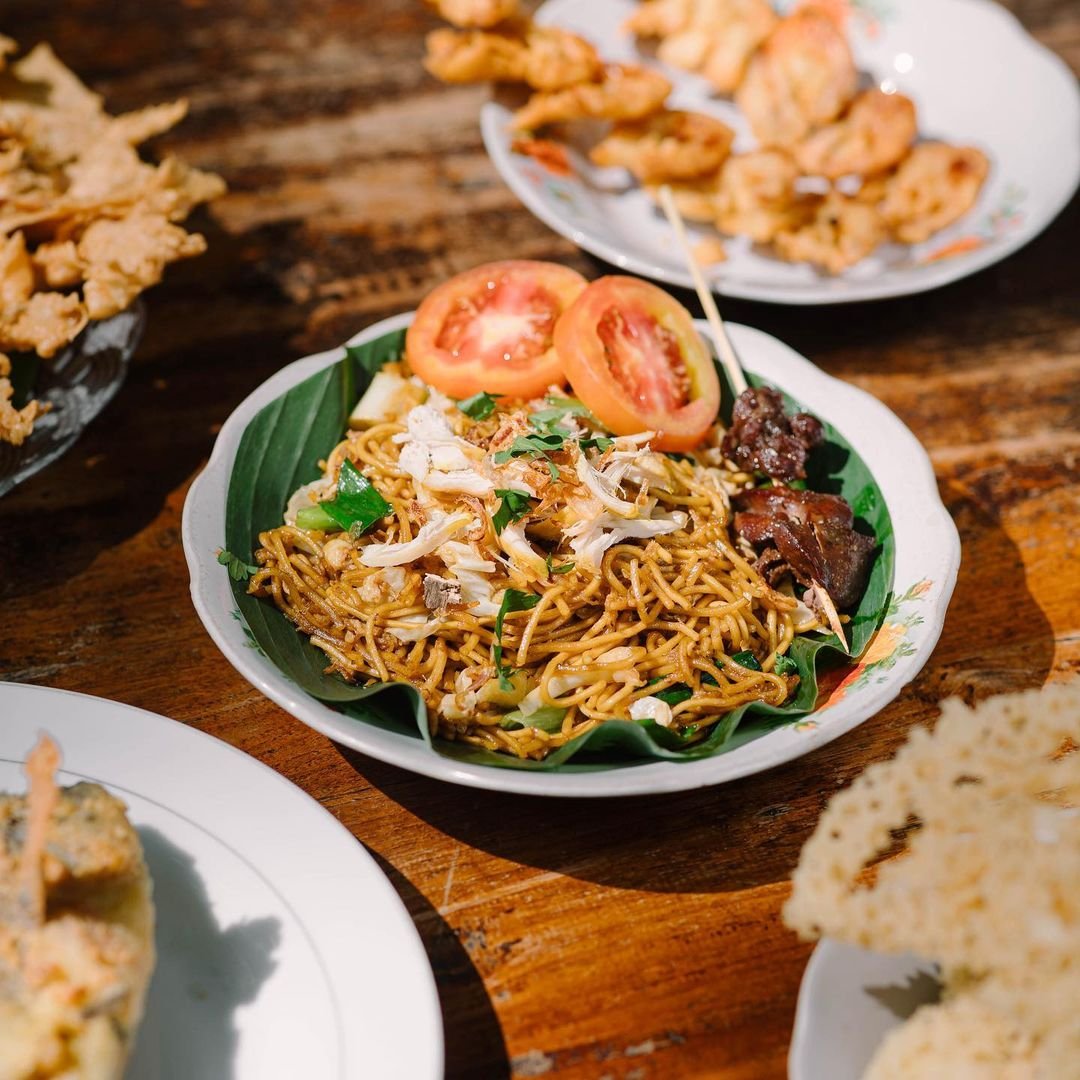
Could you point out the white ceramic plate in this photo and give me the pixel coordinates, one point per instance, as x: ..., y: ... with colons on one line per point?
x: 927, y: 558
x: 849, y: 1001
x: 283, y: 951
x: 976, y: 77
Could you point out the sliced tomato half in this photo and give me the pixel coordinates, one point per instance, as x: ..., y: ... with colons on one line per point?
x: 492, y: 328
x: 632, y: 355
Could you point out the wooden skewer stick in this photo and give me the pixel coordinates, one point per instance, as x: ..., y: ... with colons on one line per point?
x: 712, y: 316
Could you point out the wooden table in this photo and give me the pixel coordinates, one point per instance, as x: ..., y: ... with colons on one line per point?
x: 629, y: 938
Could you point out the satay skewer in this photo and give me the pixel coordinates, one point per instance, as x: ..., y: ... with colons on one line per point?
x: 712, y: 315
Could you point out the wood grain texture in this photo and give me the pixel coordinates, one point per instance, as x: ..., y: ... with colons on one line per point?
x: 631, y: 939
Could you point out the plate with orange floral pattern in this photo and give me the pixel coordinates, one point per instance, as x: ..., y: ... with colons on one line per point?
x: 977, y: 78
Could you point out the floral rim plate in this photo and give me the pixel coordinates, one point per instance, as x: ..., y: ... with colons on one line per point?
x: 949, y: 56
x: 850, y: 999
x: 927, y: 559
x: 78, y: 383
x: 283, y: 950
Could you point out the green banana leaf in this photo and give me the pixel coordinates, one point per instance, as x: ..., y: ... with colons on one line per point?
x: 280, y: 450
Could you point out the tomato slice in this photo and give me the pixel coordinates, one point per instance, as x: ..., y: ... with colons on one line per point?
x: 633, y: 356
x: 492, y: 328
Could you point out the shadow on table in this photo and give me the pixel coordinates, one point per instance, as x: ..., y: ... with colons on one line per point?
x: 473, y: 1038
x: 204, y: 973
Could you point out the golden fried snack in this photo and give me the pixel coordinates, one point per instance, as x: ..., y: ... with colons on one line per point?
x: 837, y: 232
x: 623, y: 92
x: 873, y: 136
x: 15, y: 424
x: 715, y: 37
x: 80, y: 210
x: 694, y: 199
x: 479, y: 14
x: 755, y: 195
x: 934, y: 185
x: 801, y: 77
x: 670, y: 145
x: 546, y: 58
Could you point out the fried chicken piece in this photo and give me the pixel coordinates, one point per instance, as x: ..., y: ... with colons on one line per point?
x: 546, y: 58
x: 802, y: 76
x: 838, y: 232
x: 715, y: 37
x: 623, y: 92
x: 15, y: 424
x: 480, y: 14
x: 873, y: 136
x: 694, y: 199
x: 671, y: 145
x: 936, y: 184
x: 124, y: 257
x: 756, y: 194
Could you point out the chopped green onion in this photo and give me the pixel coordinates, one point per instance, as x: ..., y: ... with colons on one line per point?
x: 315, y: 517
x: 671, y: 695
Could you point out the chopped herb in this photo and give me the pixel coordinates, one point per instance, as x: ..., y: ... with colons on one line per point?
x: 547, y: 419
x: 355, y: 508
x: 672, y: 695
x: 513, y: 600
x: 690, y: 729
x: 565, y: 568
x: 513, y: 507
x: 784, y: 665
x: 547, y: 718
x: 479, y: 406
x: 747, y: 659
x: 534, y: 446
x: 238, y: 569
x: 600, y: 442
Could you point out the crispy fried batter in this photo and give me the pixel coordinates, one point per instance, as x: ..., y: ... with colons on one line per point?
x: 838, y: 232
x: 874, y: 136
x: 671, y: 145
x: 545, y: 58
x: 623, y: 92
x: 481, y: 14
x: 694, y: 199
x: 65, y: 167
x: 802, y: 76
x: 715, y: 37
x: 756, y: 194
x: 15, y: 424
x: 935, y: 185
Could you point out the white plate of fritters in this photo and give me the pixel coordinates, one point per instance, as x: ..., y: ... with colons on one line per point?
x: 976, y: 77
x: 282, y: 949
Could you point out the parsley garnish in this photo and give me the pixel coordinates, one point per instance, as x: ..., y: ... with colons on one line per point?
x: 600, y: 442
x: 479, y: 406
x: 355, y: 508
x: 565, y: 568
x: 784, y: 665
x: 238, y: 569
x: 561, y: 407
x: 534, y: 446
x: 513, y: 507
x: 513, y: 600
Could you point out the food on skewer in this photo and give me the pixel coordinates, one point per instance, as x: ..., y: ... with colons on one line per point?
x: 621, y: 92
x: 801, y: 77
x: 670, y: 145
x: 545, y: 58
x: 76, y: 929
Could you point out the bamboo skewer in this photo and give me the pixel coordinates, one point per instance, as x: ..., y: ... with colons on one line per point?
x: 712, y: 315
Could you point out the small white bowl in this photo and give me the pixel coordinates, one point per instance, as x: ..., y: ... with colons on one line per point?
x: 927, y: 559
x: 850, y: 999
x: 977, y: 78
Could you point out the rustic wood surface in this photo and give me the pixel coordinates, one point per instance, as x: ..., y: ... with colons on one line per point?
x: 631, y: 938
